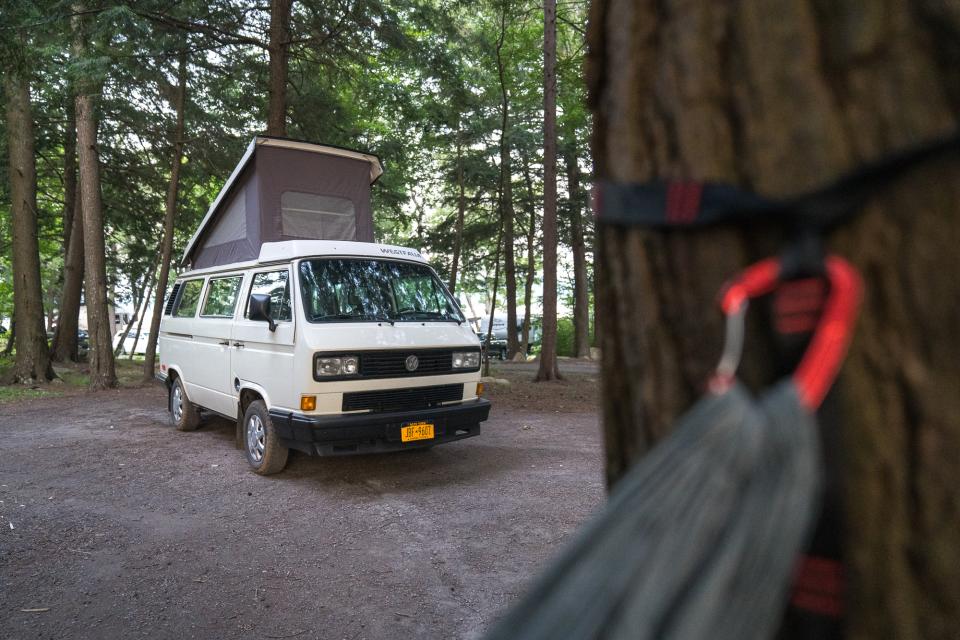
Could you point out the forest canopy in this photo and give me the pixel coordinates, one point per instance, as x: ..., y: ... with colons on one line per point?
x: 449, y: 94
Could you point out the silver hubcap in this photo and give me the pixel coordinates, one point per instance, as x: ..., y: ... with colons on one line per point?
x: 255, y: 437
x: 177, y: 403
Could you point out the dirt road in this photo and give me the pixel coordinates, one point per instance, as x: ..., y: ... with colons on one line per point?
x: 113, y: 525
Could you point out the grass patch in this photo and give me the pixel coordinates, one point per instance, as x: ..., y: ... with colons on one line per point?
x: 16, y: 392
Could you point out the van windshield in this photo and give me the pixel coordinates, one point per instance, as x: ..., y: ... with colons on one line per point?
x: 343, y: 290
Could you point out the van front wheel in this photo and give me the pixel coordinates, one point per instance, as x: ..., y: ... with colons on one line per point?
x: 264, y: 452
x: 183, y: 414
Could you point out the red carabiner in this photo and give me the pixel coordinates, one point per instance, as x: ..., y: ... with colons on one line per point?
x: 820, y: 364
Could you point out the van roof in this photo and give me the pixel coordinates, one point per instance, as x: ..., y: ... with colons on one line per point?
x: 288, y: 250
x: 286, y: 189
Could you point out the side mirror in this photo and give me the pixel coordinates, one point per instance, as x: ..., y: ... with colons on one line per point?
x: 260, y: 309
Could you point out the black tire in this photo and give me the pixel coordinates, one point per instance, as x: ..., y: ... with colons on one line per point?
x: 261, y: 444
x: 183, y: 413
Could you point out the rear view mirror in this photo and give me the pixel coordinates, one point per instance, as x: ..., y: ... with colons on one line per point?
x: 260, y: 309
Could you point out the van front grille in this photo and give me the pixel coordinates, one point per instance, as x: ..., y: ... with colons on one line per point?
x: 402, y: 399
x: 392, y: 364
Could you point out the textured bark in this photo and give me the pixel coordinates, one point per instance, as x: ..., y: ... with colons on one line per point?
x: 581, y: 285
x: 781, y: 96
x: 33, y: 357
x: 169, y: 218
x: 461, y: 214
x: 506, y: 194
x: 100, y: 357
x: 548, y: 349
x: 64, y: 346
x: 279, y: 50
x: 531, y: 257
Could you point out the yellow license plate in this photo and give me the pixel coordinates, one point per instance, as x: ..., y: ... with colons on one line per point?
x: 416, y: 431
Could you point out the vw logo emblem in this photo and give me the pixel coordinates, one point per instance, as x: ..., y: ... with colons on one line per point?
x: 411, y: 363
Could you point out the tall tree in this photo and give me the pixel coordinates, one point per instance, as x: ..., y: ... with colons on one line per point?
x: 279, y: 49
x: 531, y: 204
x: 32, y: 356
x: 506, y: 190
x: 64, y: 346
x: 102, y: 366
x: 179, y: 95
x: 548, y: 347
x: 461, y: 213
x: 581, y: 285
x: 798, y: 94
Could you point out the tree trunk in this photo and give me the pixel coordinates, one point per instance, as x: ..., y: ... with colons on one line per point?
x: 279, y: 49
x: 548, y: 345
x: 169, y: 218
x: 461, y: 214
x: 581, y: 285
x: 65, y: 346
x: 782, y: 96
x: 506, y: 194
x: 11, y: 338
x: 102, y: 369
x: 32, y: 361
x: 531, y: 257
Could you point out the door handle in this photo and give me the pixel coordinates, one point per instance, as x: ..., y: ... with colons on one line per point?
x: 238, y: 345
x: 224, y: 343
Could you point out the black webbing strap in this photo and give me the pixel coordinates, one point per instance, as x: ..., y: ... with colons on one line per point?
x: 666, y: 204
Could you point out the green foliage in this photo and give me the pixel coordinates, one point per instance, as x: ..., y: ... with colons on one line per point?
x: 414, y: 81
x: 565, y: 336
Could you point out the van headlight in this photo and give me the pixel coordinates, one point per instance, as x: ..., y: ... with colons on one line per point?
x: 466, y: 359
x: 327, y: 367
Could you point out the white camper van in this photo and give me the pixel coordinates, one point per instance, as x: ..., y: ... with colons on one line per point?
x: 311, y: 339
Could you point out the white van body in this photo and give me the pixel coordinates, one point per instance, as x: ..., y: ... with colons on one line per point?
x: 359, y: 379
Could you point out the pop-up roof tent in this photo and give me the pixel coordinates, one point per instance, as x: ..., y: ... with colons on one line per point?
x: 286, y: 190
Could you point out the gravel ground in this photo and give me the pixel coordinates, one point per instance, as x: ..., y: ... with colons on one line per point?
x: 113, y: 525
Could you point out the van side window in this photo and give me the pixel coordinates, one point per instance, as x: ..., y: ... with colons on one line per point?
x: 189, y: 298
x: 221, y: 297
x: 275, y: 285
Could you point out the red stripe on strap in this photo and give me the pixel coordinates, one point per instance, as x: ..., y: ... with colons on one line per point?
x: 819, y: 586
x: 692, y: 195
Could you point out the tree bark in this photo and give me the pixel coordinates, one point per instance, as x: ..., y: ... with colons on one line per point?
x: 279, y: 50
x: 548, y: 349
x: 11, y: 338
x: 100, y: 357
x: 531, y: 203
x: 169, y: 218
x: 461, y: 214
x: 64, y: 345
x: 506, y: 194
x: 782, y: 96
x: 581, y: 285
x: 32, y: 362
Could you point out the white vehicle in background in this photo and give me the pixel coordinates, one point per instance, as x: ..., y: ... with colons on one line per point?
x: 132, y: 344
x: 327, y: 346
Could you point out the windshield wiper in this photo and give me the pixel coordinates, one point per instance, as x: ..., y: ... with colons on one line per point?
x: 429, y: 315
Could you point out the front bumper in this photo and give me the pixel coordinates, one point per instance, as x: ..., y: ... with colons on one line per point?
x: 375, y: 432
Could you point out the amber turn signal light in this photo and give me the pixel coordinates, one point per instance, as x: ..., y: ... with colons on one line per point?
x: 308, y: 403
x: 479, y: 389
